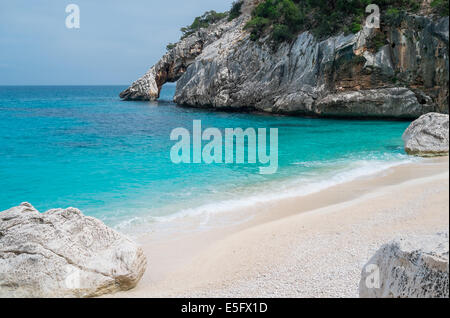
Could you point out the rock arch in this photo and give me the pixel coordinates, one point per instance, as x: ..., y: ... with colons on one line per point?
x: 169, y: 69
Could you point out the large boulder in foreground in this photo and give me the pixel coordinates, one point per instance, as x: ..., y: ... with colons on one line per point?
x: 428, y: 136
x: 62, y: 253
x: 413, y: 267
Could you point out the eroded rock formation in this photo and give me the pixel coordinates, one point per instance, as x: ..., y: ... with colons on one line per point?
x: 343, y: 75
x: 411, y: 267
x: 171, y: 66
x: 428, y: 136
x: 62, y: 253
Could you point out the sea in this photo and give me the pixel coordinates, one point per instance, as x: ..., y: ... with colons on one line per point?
x: 83, y: 147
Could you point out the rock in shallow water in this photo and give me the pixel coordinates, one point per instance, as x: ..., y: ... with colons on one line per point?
x: 413, y: 267
x: 62, y: 253
x: 428, y: 136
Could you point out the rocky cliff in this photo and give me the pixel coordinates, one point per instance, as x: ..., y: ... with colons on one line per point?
x: 403, y: 75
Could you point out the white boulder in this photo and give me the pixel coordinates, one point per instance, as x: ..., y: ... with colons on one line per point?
x: 427, y: 136
x: 412, y: 267
x: 62, y: 253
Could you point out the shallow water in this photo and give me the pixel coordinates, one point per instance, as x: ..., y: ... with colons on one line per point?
x: 84, y: 147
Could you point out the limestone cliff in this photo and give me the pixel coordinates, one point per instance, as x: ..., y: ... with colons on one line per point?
x: 342, y: 75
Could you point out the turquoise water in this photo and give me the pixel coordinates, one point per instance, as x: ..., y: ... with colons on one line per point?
x: 83, y: 147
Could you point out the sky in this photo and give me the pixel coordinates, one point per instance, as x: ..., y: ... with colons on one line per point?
x: 117, y: 42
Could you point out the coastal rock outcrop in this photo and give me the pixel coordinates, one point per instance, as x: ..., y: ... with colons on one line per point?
x: 428, y: 136
x: 62, y: 253
x: 342, y: 75
x: 171, y: 66
x: 412, y: 267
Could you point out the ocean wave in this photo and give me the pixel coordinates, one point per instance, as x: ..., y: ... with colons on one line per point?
x: 337, y: 172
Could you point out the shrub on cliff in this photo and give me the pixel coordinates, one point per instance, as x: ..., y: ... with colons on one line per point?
x: 393, y: 16
x: 257, y: 25
x: 211, y: 17
x: 208, y: 18
x: 204, y: 21
x: 170, y: 46
x: 283, y: 19
x: 441, y: 7
x: 235, y: 10
x: 281, y: 33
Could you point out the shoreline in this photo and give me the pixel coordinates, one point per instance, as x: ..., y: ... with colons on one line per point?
x: 249, y: 201
x: 254, y: 258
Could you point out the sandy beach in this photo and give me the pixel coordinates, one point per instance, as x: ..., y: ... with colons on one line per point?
x: 309, y: 246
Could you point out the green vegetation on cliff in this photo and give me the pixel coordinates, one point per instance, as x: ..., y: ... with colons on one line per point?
x: 170, y: 46
x: 204, y: 21
x: 284, y: 19
x: 211, y: 17
x: 441, y: 7
x: 235, y: 10
x: 208, y: 18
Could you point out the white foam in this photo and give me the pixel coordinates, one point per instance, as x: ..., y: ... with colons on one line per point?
x: 285, y: 189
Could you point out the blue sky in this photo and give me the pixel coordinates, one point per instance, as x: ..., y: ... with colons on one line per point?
x: 117, y: 42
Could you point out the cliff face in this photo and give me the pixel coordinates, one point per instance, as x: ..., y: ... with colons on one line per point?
x: 343, y: 75
x: 171, y: 66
